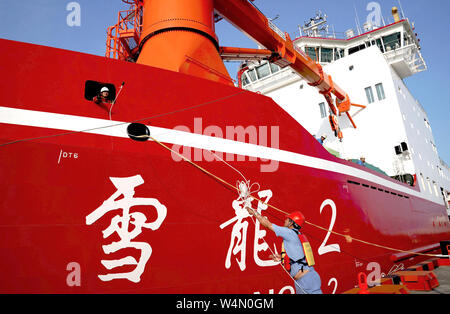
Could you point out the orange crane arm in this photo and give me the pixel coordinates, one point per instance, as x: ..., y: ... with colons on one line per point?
x: 244, y: 16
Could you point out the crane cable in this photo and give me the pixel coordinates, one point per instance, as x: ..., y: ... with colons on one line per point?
x: 347, y: 237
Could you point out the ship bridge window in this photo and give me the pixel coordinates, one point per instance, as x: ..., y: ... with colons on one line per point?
x: 263, y: 70
x: 92, y: 89
x: 407, y: 39
x: 245, y: 80
x: 326, y: 55
x: 259, y: 72
x: 275, y: 68
x: 252, y: 75
x: 392, y: 42
x: 312, y: 52
x: 356, y: 49
x: 380, y: 44
x: 338, y: 53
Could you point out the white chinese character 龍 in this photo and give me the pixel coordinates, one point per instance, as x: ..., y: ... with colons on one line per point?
x: 238, y: 241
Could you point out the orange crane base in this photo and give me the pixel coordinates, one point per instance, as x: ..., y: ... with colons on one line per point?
x: 180, y: 36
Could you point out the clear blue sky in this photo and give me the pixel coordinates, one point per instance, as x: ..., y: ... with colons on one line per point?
x: 44, y: 22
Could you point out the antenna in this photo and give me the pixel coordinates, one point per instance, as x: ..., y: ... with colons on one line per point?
x: 316, y: 26
x: 358, y: 25
x: 401, y: 9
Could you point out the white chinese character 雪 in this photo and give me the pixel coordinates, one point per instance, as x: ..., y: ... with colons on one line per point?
x: 121, y: 223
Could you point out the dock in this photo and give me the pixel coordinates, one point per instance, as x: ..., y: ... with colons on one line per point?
x: 429, y: 277
x: 443, y: 275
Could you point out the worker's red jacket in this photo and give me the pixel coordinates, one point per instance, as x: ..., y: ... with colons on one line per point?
x: 101, y: 101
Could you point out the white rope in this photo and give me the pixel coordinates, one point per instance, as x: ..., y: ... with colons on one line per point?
x: 114, y: 102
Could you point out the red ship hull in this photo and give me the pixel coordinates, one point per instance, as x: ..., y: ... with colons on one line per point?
x: 59, y: 202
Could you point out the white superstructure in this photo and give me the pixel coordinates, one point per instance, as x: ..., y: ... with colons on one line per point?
x: 393, y: 132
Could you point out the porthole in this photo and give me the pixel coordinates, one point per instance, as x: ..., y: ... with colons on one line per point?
x: 93, y: 89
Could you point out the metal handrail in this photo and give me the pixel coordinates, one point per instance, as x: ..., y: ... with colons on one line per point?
x: 127, y: 20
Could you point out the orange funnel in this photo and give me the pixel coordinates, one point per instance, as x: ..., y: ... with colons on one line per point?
x: 180, y: 36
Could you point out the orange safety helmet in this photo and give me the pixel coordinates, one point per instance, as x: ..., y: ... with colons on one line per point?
x: 297, y: 217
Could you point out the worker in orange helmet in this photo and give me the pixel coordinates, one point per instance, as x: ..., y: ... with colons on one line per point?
x: 307, y: 280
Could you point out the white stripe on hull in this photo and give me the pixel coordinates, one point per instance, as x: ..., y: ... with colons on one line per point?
x: 119, y: 129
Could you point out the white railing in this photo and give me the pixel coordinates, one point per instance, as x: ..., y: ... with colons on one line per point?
x: 412, y: 56
x: 276, y: 30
